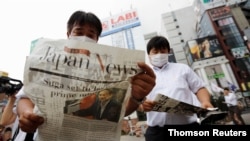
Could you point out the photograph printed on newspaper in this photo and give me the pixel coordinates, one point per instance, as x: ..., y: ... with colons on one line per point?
x: 80, y: 88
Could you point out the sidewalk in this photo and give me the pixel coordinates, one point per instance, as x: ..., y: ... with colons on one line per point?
x: 246, y: 116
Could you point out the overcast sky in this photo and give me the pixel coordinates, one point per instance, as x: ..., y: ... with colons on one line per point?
x: 25, y: 20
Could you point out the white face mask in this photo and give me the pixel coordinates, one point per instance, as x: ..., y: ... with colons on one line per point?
x: 158, y: 60
x: 82, y: 38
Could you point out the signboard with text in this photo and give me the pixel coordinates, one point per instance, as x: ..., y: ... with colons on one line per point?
x: 221, y: 12
x: 122, y: 21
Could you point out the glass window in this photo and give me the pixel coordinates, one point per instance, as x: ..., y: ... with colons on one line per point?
x: 232, y: 35
x: 244, y: 65
x: 234, y: 42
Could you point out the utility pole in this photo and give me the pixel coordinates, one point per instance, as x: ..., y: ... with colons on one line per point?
x: 215, y: 77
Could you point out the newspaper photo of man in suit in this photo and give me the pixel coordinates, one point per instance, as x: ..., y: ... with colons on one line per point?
x: 104, y: 107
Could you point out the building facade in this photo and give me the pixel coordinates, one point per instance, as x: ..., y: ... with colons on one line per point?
x: 212, y: 41
x: 226, y: 21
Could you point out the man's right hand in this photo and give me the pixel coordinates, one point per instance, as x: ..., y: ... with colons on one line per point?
x: 29, y: 122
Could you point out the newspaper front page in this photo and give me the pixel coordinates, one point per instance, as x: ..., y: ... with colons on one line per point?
x: 64, y: 78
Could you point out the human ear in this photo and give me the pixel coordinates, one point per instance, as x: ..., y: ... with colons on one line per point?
x: 68, y: 34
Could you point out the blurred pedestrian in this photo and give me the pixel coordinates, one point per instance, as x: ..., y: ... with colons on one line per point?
x: 232, y: 102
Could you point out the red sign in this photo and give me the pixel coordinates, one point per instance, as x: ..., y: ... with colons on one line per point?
x: 105, y: 25
x: 219, y: 12
x: 124, y: 18
x: 119, y: 22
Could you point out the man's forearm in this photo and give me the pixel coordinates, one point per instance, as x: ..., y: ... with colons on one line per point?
x: 131, y: 107
x: 8, y: 116
x: 23, y: 105
x: 203, y: 95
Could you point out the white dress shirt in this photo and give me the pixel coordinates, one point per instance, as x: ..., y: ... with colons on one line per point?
x: 231, y: 99
x: 177, y: 81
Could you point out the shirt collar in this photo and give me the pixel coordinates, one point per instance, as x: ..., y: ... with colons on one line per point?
x: 163, y: 67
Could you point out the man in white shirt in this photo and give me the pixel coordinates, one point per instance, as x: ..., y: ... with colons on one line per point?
x: 86, y: 26
x: 174, y: 80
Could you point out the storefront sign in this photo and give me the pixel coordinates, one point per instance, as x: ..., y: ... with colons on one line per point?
x: 120, y: 22
x: 219, y: 13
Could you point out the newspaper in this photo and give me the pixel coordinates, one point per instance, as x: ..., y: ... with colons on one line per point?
x: 65, y: 76
x: 173, y: 106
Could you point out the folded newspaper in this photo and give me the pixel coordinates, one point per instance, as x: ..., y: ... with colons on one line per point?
x: 170, y: 105
x: 173, y: 106
x: 64, y: 78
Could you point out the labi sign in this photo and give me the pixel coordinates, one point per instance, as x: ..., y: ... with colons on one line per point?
x: 120, y: 22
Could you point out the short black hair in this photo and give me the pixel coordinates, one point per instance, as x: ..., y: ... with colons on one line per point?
x: 158, y: 42
x: 226, y: 88
x: 81, y: 18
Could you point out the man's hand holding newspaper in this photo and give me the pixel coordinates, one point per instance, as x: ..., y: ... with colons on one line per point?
x: 60, y: 74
